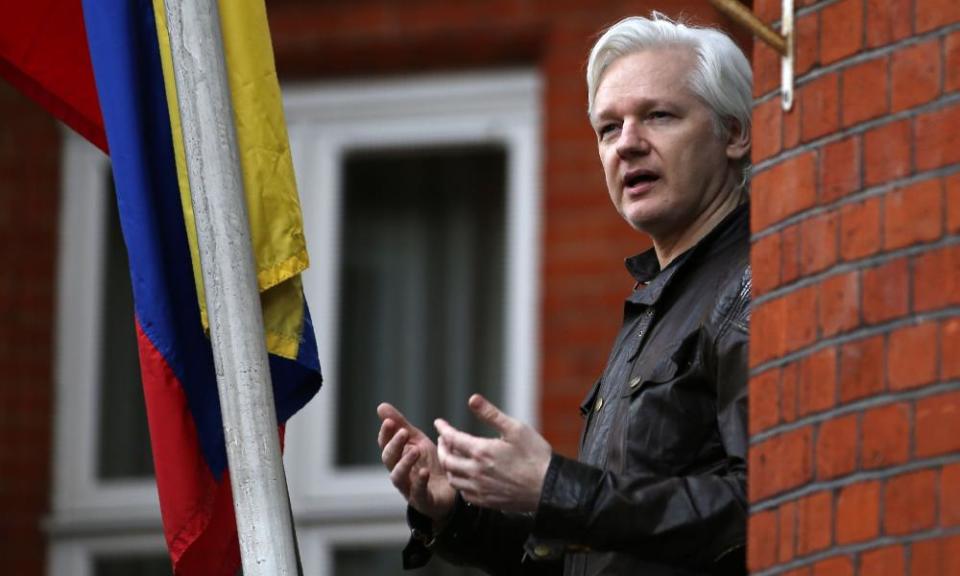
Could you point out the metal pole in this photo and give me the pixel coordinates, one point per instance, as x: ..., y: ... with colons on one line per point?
x: 264, y: 524
x: 743, y: 16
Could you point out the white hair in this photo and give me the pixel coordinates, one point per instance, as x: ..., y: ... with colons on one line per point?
x: 721, y: 77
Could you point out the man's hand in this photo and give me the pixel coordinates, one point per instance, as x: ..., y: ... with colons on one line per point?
x: 504, y: 473
x: 411, y: 457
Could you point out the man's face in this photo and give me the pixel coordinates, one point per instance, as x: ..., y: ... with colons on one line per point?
x: 663, y: 160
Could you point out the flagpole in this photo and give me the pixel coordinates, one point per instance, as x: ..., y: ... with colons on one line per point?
x: 261, y: 502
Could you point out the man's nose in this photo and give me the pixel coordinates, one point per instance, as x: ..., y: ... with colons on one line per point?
x: 633, y: 140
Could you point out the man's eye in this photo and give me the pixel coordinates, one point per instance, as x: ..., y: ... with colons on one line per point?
x: 659, y: 115
x: 606, y: 130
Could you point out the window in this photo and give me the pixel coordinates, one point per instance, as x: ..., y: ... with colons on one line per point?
x: 421, y: 209
x: 421, y: 285
x: 105, y: 513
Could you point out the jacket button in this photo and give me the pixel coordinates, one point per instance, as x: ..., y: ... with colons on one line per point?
x: 598, y: 405
x: 634, y: 382
x: 541, y: 551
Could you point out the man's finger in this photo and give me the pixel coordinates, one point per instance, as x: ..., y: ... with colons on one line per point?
x: 418, y: 485
x: 458, y: 442
x: 387, y: 430
x: 400, y: 474
x: 386, y: 410
x: 459, y: 466
x: 490, y: 414
x: 393, y: 451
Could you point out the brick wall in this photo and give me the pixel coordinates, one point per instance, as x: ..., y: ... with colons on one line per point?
x: 29, y: 212
x: 855, y: 349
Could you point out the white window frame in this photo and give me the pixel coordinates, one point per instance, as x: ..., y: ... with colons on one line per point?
x: 328, y: 120
x: 84, y: 507
x: 332, y: 506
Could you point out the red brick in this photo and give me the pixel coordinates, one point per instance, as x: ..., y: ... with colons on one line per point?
x: 950, y: 495
x: 936, y: 279
x: 940, y: 557
x: 915, y: 75
x: 887, y: 561
x: 860, y: 229
x: 819, y: 107
x: 839, y: 303
x: 836, y: 448
x: 766, y: 69
x: 836, y: 566
x: 766, y: 138
x: 886, y: 153
x: 767, y: 11
x: 841, y: 26
x: 950, y: 349
x: 788, y: 323
x: 789, y: 382
x: 801, y: 571
x: 937, y: 425
x: 801, y: 316
x: 888, y: 21
x: 769, y: 319
x: 771, y: 204
x: 952, y: 48
x: 764, y: 393
x: 780, y: 463
x: 765, y: 262
x: 909, y: 503
x: 858, y: 512
x: 817, y: 390
x: 861, y: 368
x: 807, y: 30
x: 791, y: 127
x: 788, y: 532
x: 953, y: 202
x: 913, y: 215
x: 937, y: 138
x: 818, y: 247
x: 790, y: 253
x: 885, y: 291
x: 912, y: 356
x: 839, y: 169
x: 926, y: 557
x: 936, y: 13
x: 762, y: 540
x: 885, y: 436
x: 814, y: 523
x: 865, y: 89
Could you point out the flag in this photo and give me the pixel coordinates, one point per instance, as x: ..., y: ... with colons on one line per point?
x: 43, y: 53
x: 139, y: 123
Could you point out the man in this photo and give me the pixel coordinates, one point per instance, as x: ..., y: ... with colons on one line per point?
x: 659, y: 486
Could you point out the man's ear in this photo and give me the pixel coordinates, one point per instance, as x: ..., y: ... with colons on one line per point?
x: 738, y: 142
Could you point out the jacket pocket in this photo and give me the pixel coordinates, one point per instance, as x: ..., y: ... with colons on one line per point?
x: 664, y: 371
x: 671, y: 414
x: 586, y: 411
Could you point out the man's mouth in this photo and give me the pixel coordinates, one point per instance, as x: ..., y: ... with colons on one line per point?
x: 638, y: 181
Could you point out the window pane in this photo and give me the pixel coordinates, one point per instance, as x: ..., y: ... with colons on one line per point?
x: 140, y: 565
x: 124, y: 442
x: 421, y: 289
x: 384, y: 561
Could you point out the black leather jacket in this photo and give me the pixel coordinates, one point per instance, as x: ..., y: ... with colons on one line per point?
x: 660, y: 484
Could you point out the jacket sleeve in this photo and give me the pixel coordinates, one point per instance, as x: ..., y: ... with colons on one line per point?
x: 697, y: 519
x: 487, y: 539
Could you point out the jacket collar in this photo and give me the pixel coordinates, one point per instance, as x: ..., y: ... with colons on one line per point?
x: 652, y: 281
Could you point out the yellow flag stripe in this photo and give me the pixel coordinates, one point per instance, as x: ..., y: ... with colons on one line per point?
x: 170, y: 87
x: 273, y: 205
